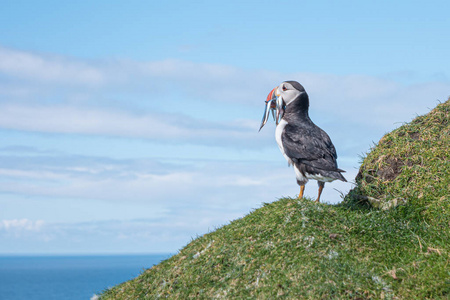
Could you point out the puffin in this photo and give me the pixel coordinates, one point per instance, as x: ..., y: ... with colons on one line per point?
x: 303, y: 144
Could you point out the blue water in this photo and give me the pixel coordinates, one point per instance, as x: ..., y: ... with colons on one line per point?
x: 67, y: 277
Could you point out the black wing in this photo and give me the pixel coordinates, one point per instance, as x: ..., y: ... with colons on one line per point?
x: 311, y: 146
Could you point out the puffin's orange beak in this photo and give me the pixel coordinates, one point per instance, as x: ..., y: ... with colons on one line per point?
x: 272, y: 96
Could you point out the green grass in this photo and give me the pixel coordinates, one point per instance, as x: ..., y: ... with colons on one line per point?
x: 296, y: 249
x: 411, y: 164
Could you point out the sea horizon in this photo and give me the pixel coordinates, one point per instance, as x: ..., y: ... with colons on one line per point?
x: 68, y: 276
x: 78, y: 254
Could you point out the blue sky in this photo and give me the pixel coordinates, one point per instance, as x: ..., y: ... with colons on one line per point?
x: 132, y: 126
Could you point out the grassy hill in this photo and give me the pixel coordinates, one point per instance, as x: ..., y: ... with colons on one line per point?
x: 359, y: 249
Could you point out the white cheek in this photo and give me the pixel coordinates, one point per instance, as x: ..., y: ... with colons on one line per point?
x: 290, y: 95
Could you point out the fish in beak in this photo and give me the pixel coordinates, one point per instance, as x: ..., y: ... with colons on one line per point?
x: 270, y: 106
x: 274, y: 102
x: 280, y: 107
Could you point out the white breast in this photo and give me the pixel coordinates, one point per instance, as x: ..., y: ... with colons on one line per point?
x: 278, y: 132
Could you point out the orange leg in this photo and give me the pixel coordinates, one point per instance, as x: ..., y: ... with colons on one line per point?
x: 302, y: 189
x: 321, y: 185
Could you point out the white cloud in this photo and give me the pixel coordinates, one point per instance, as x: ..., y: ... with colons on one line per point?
x: 199, y: 80
x: 234, y: 186
x: 48, y: 68
x: 159, y: 127
x: 114, y: 181
x: 19, y: 225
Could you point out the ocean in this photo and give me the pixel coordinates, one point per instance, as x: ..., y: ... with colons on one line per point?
x: 68, y: 277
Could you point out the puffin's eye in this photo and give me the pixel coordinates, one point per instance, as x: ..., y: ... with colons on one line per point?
x: 284, y: 88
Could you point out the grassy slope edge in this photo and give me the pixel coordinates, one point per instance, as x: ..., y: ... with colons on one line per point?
x: 411, y: 164
x: 296, y: 249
